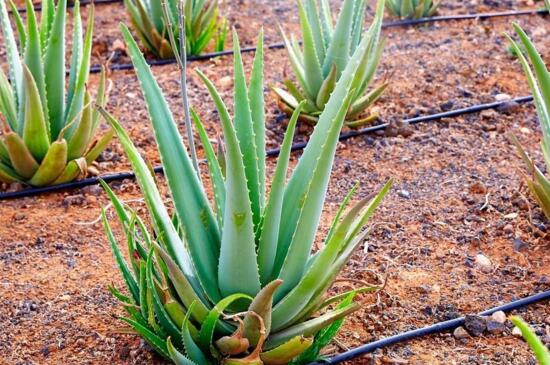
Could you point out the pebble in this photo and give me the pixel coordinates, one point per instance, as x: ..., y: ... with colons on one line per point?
x: 517, y: 332
x: 483, y: 263
x: 502, y: 97
x: 475, y: 325
x: 499, y: 317
x: 495, y: 327
x: 518, y: 244
x: 508, y: 228
x: 404, y: 194
x: 460, y: 333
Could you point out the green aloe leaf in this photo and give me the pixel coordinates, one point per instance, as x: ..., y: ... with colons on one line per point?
x: 313, y: 71
x: 238, y: 251
x: 176, y: 356
x: 155, y: 341
x: 338, y: 52
x: 192, y: 207
x: 541, y: 351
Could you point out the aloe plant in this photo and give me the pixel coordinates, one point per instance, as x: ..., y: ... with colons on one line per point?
x: 538, y: 78
x: 202, y: 22
x: 48, y: 137
x: 541, y: 351
x: 235, y: 281
x: 326, y: 51
x: 413, y: 9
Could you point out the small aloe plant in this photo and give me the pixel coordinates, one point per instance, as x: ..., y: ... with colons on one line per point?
x: 48, y: 137
x: 235, y: 281
x: 413, y: 9
x: 202, y: 24
x: 541, y: 351
x: 326, y: 52
x: 538, y: 78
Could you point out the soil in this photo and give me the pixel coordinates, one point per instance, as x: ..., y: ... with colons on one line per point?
x: 458, y: 194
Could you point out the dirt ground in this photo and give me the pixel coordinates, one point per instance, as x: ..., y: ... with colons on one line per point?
x: 458, y: 194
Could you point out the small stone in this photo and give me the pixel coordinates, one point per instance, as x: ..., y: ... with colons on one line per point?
x: 19, y: 216
x: 460, y: 333
x: 119, y: 46
x: 508, y: 107
x: 483, y: 263
x: 499, y: 317
x: 478, y: 188
x: 226, y: 81
x: 502, y: 97
x: 508, y: 228
x: 404, y: 194
x: 475, y: 325
x: 65, y: 297
x: 518, y: 245
x: 495, y: 328
x: 517, y: 332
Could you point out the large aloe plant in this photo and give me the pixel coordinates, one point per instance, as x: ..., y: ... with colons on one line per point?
x: 325, y: 54
x: 202, y: 24
x: 48, y: 137
x: 538, y: 78
x: 541, y: 351
x: 413, y: 9
x: 236, y: 282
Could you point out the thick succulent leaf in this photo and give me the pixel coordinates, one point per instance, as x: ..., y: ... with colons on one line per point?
x: 77, y: 101
x: 54, y: 63
x: 541, y: 351
x: 212, y: 319
x: 129, y: 279
x: 314, y: 20
x: 76, y: 53
x: 311, y: 327
x: 33, y: 55
x: 267, y: 245
x: 192, y: 207
x: 20, y: 157
x: 358, y: 21
x: 326, y: 21
x: 98, y: 146
x: 257, y: 104
x: 176, y: 356
x: 8, y: 107
x: 246, y: 136
x: 8, y: 175
x: 323, y: 266
x: 302, y: 175
x: 238, y: 251
x: 367, y: 100
x: 13, y: 57
x: 284, y: 353
x: 35, y: 129
x: 191, y: 348
x: 159, y: 215
x: 311, y: 206
x: 155, y: 341
x: 338, y: 52
x: 78, y: 142
x: 296, y: 62
x: 261, y: 306
x: 214, y: 168
x: 312, y: 67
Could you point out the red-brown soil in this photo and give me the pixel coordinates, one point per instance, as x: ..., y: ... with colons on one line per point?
x: 458, y: 193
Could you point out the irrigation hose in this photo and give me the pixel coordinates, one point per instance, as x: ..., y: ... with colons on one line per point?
x: 429, y: 330
x: 38, y: 7
x: 272, y: 152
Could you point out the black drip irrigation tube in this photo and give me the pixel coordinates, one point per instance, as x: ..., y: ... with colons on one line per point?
x: 400, y: 23
x: 38, y: 7
x: 429, y: 330
x: 270, y: 153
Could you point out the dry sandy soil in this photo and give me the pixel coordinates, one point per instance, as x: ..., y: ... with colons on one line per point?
x: 458, y: 193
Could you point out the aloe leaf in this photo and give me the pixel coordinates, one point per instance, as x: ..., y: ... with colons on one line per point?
x: 35, y: 128
x: 20, y: 26
x: 46, y: 21
x: 33, y: 55
x: 129, y: 279
x: 13, y: 57
x: 267, y: 245
x: 192, y: 207
x: 160, y: 217
x: 312, y: 67
x: 359, y: 19
x: 54, y: 62
x: 323, y: 265
x: 76, y: 53
x: 261, y: 306
x: 77, y: 101
x: 257, y: 104
x: 314, y: 20
x: 212, y: 319
x: 8, y: 106
x: 155, y: 341
x: 8, y: 175
x: 326, y: 21
x: 176, y: 356
x: 339, y: 50
x: 191, y: 348
x: 284, y: 353
x: 541, y: 351
x: 246, y: 137
x: 238, y: 249
x: 214, y: 168
x: 311, y: 327
x: 98, y: 146
x: 302, y: 175
x: 298, y: 251
x: 296, y: 62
